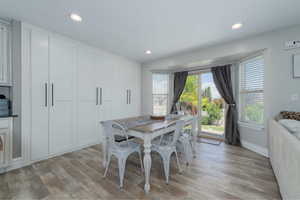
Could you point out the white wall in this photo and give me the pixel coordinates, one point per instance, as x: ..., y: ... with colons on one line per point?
x: 279, y: 84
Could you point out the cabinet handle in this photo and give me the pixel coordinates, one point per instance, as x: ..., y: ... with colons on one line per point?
x: 129, y: 96
x: 100, y: 96
x: 46, y: 94
x: 97, y: 95
x: 52, y: 91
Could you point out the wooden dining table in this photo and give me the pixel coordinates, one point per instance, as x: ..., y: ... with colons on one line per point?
x: 146, y: 129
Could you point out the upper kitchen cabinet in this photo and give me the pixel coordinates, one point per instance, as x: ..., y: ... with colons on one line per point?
x: 5, y: 64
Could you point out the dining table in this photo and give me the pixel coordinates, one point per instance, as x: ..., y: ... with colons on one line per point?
x: 147, y: 129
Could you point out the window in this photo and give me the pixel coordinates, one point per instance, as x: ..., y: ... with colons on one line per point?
x: 251, y: 91
x: 160, y: 85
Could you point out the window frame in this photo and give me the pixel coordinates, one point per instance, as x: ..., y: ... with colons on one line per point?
x: 241, y: 93
x: 165, y: 94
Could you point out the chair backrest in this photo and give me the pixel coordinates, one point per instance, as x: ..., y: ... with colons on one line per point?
x: 172, y: 116
x: 113, y: 128
x: 179, y: 124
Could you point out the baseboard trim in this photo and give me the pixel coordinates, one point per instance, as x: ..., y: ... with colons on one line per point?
x: 255, y: 148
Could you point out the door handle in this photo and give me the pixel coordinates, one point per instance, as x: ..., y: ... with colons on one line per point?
x: 52, y: 96
x: 46, y: 94
x: 97, y: 95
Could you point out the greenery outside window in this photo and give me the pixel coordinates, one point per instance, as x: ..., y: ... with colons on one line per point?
x: 251, y: 91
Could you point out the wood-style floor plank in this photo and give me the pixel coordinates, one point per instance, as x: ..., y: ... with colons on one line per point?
x: 218, y: 172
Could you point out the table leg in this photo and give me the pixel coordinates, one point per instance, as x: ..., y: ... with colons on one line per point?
x: 147, y: 163
x: 104, y: 149
x: 195, y: 137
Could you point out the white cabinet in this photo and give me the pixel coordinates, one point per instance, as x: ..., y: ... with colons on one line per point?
x: 129, y: 89
x: 61, y: 93
x: 87, y: 97
x: 52, y: 94
x: 5, y: 66
x: 39, y: 52
x: 70, y: 88
x: 95, y: 90
x: 106, y: 84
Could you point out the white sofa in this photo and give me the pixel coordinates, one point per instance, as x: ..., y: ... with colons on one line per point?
x: 284, y: 152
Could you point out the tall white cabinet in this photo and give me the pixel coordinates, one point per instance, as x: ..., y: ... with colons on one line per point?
x: 39, y: 46
x: 62, y: 68
x: 69, y: 88
x: 87, y: 97
x: 52, y: 94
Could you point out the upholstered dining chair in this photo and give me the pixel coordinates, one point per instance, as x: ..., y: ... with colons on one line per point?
x: 166, y: 147
x: 121, y: 150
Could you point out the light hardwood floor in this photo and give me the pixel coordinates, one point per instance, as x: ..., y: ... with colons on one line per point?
x: 218, y: 172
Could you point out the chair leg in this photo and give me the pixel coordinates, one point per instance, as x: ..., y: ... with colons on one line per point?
x: 177, y: 159
x: 185, y: 153
x: 107, y: 165
x: 166, y: 162
x: 140, y: 156
x: 190, y: 152
x: 122, y: 165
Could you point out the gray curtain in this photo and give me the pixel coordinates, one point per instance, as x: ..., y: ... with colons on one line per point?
x: 222, y: 80
x: 179, y: 83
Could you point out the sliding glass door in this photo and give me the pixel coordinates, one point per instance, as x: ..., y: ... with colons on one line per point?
x: 201, y: 97
x: 212, y: 107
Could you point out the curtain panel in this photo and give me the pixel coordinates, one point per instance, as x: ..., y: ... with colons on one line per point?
x: 223, y: 82
x: 179, y: 83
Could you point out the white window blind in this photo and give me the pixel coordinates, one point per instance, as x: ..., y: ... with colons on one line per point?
x: 252, y: 91
x: 160, y: 92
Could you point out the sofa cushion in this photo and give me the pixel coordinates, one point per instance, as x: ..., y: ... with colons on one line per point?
x: 290, y: 115
x: 292, y: 125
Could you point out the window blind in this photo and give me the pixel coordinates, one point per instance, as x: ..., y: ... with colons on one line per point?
x: 252, y: 75
x: 160, y: 88
x: 252, y: 90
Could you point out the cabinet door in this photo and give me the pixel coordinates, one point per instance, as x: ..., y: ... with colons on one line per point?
x: 4, y: 56
x: 5, y: 154
x: 62, y: 76
x: 40, y: 95
x: 87, y: 97
x: 129, y: 91
x: 120, y: 102
x: 135, y: 92
x: 105, y: 76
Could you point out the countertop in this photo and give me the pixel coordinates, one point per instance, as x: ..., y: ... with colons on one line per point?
x: 8, y: 116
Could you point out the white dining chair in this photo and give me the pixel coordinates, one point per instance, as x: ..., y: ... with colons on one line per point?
x: 121, y: 150
x: 184, y: 145
x: 166, y: 147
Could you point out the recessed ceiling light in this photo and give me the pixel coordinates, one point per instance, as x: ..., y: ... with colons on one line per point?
x: 148, y: 52
x: 75, y: 17
x: 237, y: 26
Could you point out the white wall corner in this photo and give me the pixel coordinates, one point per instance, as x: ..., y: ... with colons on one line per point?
x: 255, y: 148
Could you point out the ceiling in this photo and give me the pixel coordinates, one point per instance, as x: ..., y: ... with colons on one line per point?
x: 166, y: 27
